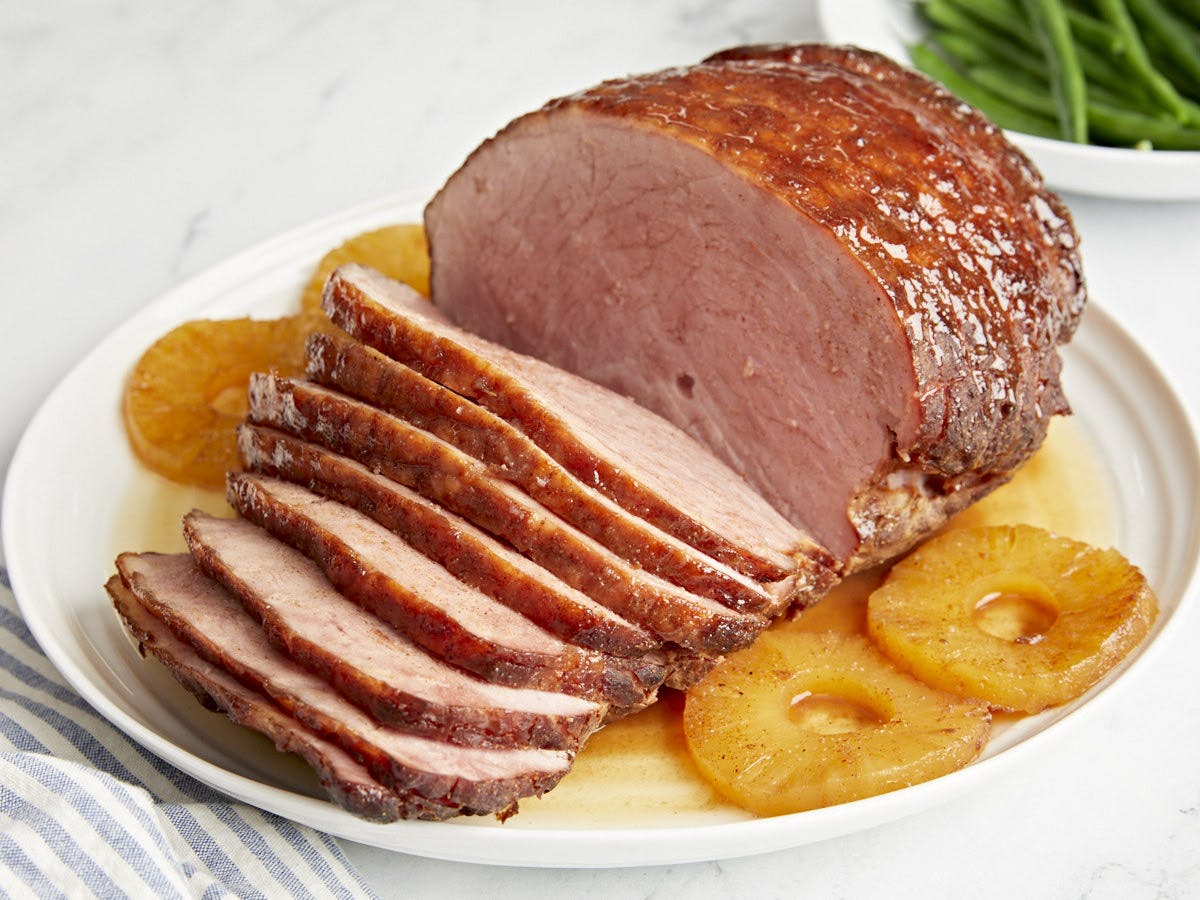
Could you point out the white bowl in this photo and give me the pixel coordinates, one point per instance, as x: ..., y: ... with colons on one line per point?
x: 888, y: 26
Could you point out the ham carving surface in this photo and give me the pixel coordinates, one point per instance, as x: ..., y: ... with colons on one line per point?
x: 704, y: 341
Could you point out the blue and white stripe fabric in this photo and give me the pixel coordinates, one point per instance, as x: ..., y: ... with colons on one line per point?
x: 86, y: 812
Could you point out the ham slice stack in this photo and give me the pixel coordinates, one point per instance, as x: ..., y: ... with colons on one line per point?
x: 452, y: 562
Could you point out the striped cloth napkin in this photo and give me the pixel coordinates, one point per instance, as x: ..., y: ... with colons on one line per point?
x: 85, y: 811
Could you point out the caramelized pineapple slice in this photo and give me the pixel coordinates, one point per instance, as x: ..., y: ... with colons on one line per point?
x: 398, y: 251
x: 1012, y: 615
x: 187, y: 393
x: 802, y: 720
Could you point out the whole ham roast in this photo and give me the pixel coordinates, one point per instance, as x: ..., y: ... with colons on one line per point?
x: 703, y: 342
x: 841, y: 279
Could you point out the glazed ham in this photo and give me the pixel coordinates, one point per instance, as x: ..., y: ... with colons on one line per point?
x: 705, y: 341
x: 842, y: 280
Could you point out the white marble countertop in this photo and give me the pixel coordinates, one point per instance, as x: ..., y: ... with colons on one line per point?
x: 143, y: 142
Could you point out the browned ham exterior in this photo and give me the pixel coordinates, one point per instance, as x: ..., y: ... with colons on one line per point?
x: 841, y: 279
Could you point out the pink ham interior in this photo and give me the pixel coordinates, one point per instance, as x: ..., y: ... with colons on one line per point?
x: 542, y: 234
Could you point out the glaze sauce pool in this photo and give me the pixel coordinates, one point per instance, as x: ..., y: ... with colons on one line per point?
x: 638, y: 771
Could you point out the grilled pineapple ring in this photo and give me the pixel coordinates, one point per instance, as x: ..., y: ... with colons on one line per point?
x: 1013, y: 615
x: 187, y: 393
x: 398, y: 251
x: 802, y: 720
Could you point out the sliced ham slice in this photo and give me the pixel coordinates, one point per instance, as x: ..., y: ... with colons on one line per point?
x: 444, y: 474
x: 361, y: 371
x: 465, y: 551
x: 448, y: 778
x: 384, y: 575
x: 638, y: 459
x: 347, y: 781
x: 367, y: 660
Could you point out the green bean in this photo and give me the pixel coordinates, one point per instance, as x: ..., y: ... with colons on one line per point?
x: 1004, y: 114
x: 1008, y: 18
x: 1032, y: 90
x: 1139, y: 105
x: 1031, y: 96
x: 1049, y: 21
x: 1000, y: 15
x: 992, y: 45
x: 944, y: 14
x: 1188, y: 9
x: 1108, y: 123
x: 967, y: 55
x: 1171, y: 33
x: 1188, y: 86
x: 1192, y: 29
x: 962, y: 50
x: 1094, y: 33
x: 1139, y: 62
x: 1097, y: 68
x: 1122, y: 127
x: 1117, y: 14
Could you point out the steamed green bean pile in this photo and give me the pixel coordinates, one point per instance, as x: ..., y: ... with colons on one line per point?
x: 1123, y: 73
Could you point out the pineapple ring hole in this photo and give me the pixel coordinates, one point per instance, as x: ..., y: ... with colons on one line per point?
x: 1021, y: 616
x: 832, y: 714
